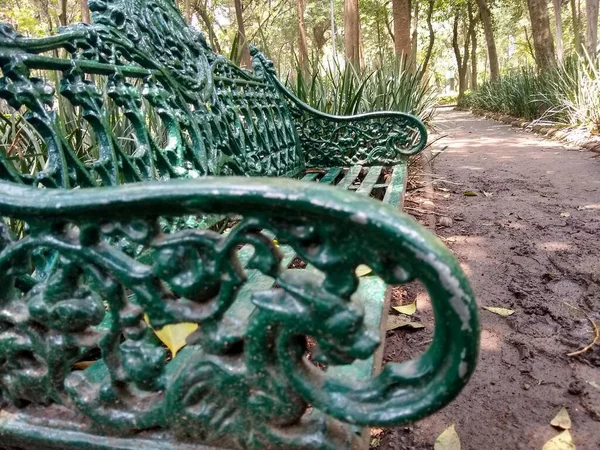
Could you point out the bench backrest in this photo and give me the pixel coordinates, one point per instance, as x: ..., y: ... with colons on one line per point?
x: 142, y: 96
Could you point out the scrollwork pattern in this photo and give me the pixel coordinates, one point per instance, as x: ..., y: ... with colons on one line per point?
x: 240, y: 383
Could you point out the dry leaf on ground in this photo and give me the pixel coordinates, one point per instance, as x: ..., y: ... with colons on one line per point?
x: 408, y: 309
x: 448, y: 440
x: 470, y: 194
x: 562, y: 419
x: 394, y: 322
x: 504, y: 312
x: 174, y: 336
x: 563, y: 441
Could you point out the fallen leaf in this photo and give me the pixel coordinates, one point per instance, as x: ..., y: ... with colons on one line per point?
x: 82, y: 365
x: 594, y: 384
x: 562, y: 420
x: 565, y: 214
x: 470, y: 194
x: 448, y: 440
x: 504, y: 312
x: 174, y: 336
x: 563, y: 441
x: 363, y: 270
x: 584, y: 207
x: 487, y: 194
x: 395, y: 322
x: 408, y: 309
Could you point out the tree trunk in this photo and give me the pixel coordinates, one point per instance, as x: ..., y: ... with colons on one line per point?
x: 187, y: 11
x: 431, y: 38
x: 85, y: 11
x: 558, y: 34
x: 473, y: 54
x: 462, y: 61
x: 351, y: 33
x: 62, y: 17
x: 243, y: 51
x: 488, y: 28
x: 591, y: 35
x: 542, y: 37
x: 414, y: 39
x: 333, y: 35
x: 212, y: 36
x: 302, y: 39
x: 576, y: 28
x: 401, y: 15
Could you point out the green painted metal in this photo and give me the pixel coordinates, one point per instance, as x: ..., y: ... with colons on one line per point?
x: 93, y: 261
x: 239, y: 386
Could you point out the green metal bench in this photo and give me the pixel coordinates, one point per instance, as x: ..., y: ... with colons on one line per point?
x: 133, y: 232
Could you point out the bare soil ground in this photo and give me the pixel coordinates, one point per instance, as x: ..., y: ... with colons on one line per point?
x: 529, y: 241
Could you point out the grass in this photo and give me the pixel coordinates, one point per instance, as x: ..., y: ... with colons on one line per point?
x: 568, y: 95
x: 344, y: 91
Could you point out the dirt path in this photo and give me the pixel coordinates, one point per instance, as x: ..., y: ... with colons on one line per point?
x: 531, y: 244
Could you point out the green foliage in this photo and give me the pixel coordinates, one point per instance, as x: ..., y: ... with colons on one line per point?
x: 450, y: 99
x: 392, y: 87
x: 569, y: 94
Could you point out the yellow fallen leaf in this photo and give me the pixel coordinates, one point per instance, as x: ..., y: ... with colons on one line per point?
x: 504, y: 312
x: 470, y: 194
x: 174, y: 336
x: 409, y: 309
x: 562, y: 419
x: 448, y: 440
x: 363, y: 270
x: 394, y: 322
x: 563, y: 441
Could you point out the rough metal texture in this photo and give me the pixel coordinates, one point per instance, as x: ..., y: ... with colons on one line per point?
x: 92, y: 262
x: 240, y: 385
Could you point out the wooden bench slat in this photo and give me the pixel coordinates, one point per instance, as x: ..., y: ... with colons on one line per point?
x: 349, y: 178
x: 311, y: 176
x: 369, y: 181
x: 331, y: 175
x: 394, y: 194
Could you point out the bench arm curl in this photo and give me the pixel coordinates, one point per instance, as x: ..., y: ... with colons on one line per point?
x: 237, y: 384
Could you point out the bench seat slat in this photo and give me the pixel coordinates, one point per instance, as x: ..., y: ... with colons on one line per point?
x: 331, y: 175
x: 349, y: 178
x: 369, y: 181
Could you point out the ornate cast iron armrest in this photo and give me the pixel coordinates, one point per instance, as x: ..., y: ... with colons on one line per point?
x: 377, y: 138
x: 246, y: 385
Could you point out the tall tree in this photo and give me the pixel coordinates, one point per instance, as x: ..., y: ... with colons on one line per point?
x: 462, y: 60
x: 62, y: 17
x: 488, y: 28
x: 473, y: 20
x: 558, y: 34
x: 414, y: 41
x: 431, y: 37
x: 85, y: 11
x: 244, y: 51
x: 302, y: 39
x: 540, y: 31
x: 576, y: 27
x: 208, y: 26
x: 591, y: 35
x: 352, y: 32
x: 401, y: 15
